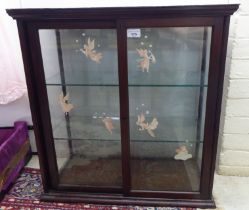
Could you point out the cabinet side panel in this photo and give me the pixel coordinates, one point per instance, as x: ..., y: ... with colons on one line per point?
x: 32, y: 93
x: 219, y: 97
x: 216, y: 73
x: 42, y: 103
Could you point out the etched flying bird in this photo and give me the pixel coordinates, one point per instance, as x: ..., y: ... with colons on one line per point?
x: 152, y: 58
x: 66, y: 107
x: 145, y: 125
x: 144, y: 62
x: 146, y: 57
x: 182, y: 153
x: 152, y: 126
x: 89, y: 51
x: 108, y: 124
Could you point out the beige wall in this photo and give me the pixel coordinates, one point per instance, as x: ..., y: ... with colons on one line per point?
x: 234, y: 129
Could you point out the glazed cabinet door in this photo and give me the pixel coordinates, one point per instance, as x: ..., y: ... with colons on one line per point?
x: 168, y: 70
x: 80, y: 66
x: 168, y: 82
x: 127, y: 105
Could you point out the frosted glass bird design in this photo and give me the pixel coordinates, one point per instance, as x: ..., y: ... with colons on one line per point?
x: 149, y: 127
x: 146, y: 58
x: 182, y: 153
x: 108, y: 124
x: 89, y: 51
x: 66, y: 107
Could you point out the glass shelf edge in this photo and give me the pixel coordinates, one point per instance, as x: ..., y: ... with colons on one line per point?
x: 116, y: 85
x: 151, y: 141
x: 183, y: 85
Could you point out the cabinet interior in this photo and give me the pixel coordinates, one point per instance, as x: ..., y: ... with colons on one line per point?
x: 172, y: 90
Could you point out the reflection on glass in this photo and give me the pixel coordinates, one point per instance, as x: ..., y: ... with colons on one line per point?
x: 82, y: 85
x: 168, y: 74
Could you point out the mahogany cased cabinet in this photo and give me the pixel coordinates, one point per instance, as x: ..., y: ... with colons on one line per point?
x: 126, y: 101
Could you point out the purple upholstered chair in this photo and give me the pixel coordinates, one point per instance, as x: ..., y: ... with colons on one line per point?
x: 14, y: 148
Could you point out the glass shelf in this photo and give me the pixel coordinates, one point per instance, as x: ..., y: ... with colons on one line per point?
x: 108, y: 150
x: 84, y: 85
x: 87, y: 128
x: 159, y: 77
x: 138, y: 141
x: 90, y: 103
x: 132, y: 85
x: 167, y: 85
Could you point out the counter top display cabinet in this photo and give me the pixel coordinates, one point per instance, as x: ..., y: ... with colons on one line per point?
x: 126, y: 101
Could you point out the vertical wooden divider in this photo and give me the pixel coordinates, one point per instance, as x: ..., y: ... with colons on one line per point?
x: 124, y: 105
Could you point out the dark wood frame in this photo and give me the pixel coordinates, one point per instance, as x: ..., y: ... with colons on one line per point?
x: 29, y: 21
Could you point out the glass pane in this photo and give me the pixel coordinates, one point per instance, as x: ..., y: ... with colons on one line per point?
x: 82, y: 84
x: 168, y: 80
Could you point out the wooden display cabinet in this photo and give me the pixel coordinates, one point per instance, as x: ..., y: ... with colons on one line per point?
x: 126, y: 101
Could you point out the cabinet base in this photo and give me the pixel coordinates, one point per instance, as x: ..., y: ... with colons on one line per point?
x: 122, y: 200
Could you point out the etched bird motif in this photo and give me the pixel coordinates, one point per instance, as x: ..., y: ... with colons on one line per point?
x: 149, y: 127
x: 182, y: 153
x: 108, y: 124
x: 89, y: 51
x: 144, y: 62
x: 66, y: 107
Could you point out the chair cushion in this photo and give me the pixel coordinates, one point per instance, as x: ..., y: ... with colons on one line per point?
x: 13, y: 143
x: 4, y: 134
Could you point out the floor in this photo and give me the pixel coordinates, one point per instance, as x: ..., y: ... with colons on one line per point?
x: 230, y: 192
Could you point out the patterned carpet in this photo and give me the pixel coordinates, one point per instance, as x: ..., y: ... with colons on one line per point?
x: 25, y: 194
